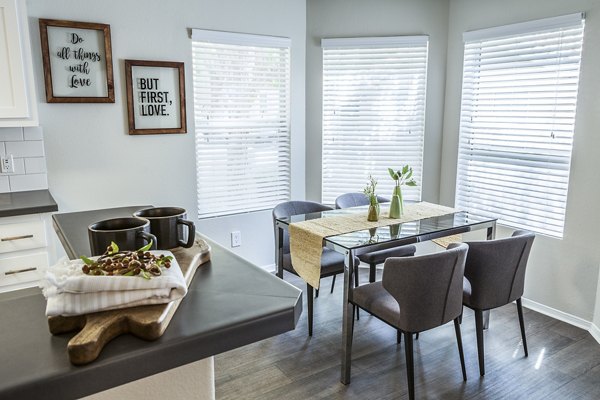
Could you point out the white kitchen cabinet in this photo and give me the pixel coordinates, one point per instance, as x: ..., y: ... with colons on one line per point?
x: 26, y: 250
x: 18, y: 103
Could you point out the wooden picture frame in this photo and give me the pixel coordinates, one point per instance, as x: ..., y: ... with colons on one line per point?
x: 155, y: 97
x: 77, y: 59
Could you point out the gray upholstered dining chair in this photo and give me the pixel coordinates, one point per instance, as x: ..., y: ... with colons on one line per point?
x: 417, y: 294
x: 356, y: 199
x: 376, y: 257
x: 495, y: 276
x: 332, y: 263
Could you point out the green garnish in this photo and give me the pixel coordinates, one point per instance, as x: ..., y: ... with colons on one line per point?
x: 87, y: 260
x: 147, y: 247
x: 162, y: 260
x: 113, y: 248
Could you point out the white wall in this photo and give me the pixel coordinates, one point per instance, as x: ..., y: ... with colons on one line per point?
x: 94, y: 163
x: 351, y: 18
x: 562, y: 274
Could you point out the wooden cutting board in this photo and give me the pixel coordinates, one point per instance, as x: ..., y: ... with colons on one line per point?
x: 145, y: 322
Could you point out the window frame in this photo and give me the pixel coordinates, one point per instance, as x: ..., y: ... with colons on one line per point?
x: 475, y: 150
x: 263, y: 94
x: 396, y: 112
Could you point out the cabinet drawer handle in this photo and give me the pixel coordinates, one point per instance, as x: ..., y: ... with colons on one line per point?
x: 18, y: 271
x: 11, y: 238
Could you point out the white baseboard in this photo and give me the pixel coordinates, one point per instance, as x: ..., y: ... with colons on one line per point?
x: 557, y: 314
x: 595, y: 332
x: 269, y: 267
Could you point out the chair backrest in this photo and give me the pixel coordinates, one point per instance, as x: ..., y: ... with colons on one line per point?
x: 347, y: 200
x: 428, y: 288
x: 294, y: 207
x: 496, y: 269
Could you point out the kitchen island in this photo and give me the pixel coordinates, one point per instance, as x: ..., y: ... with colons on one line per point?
x: 230, y: 303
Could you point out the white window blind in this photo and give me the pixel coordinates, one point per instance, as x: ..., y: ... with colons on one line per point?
x: 373, y: 112
x: 242, y: 119
x: 517, y: 121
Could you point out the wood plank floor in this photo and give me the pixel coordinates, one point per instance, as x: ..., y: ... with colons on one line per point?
x: 563, y: 362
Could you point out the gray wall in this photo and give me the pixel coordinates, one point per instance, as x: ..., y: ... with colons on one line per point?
x: 94, y: 163
x: 355, y: 18
x: 562, y: 274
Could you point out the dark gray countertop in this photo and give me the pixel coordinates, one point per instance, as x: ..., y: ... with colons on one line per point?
x: 230, y: 303
x: 72, y: 231
x: 22, y: 203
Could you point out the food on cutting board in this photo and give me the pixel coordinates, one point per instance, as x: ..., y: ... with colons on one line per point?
x: 114, y: 262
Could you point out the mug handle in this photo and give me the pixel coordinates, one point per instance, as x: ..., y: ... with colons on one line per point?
x: 148, y: 237
x: 191, y: 233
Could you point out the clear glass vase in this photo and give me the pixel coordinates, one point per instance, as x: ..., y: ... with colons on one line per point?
x: 373, y: 214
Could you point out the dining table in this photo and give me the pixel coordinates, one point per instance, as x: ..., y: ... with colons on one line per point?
x: 390, y: 233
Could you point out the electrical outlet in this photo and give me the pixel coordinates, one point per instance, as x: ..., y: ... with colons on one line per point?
x: 8, y: 164
x: 236, y: 239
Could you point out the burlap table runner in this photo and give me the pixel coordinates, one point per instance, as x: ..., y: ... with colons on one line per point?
x: 306, y: 237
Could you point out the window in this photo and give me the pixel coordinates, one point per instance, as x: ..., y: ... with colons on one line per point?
x: 373, y: 112
x: 242, y: 119
x: 517, y: 120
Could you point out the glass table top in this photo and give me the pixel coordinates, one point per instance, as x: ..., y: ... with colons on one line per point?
x: 419, y: 230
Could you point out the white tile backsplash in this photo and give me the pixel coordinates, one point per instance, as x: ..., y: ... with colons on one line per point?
x: 26, y: 146
x: 19, y: 164
x: 33, y: 133
x: 31, y: 148
x: 11, y: 134
x: 4, y: 185
x: 35, y: 165
x: 22, y: 183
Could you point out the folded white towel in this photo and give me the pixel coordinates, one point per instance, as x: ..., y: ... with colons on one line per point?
x: 71, y: 292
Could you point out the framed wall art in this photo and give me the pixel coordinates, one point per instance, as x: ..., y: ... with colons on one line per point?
x: 155, y: 97
x: 77, y: 59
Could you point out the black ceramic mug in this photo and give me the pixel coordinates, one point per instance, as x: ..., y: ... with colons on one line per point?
x: 167, y: 223
x: 128, y: 233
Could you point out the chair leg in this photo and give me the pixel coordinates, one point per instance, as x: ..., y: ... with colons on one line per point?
x: 520, y: 311
x: 357, y: 314
x: 417, y: 336
x: 309, y: 296
x: 316, y: 293
x: 479, y: 331
x: 372, y: 271
x: 398, y: 336
x: 460, y: 316
x: 333, y: 283
x: 410, y: 366
x: 460, y: 348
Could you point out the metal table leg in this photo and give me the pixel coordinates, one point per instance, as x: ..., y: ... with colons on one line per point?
x: 279, y: 252
x: 491, y: 235
x: 348, y: 315
x: 491, y: 232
